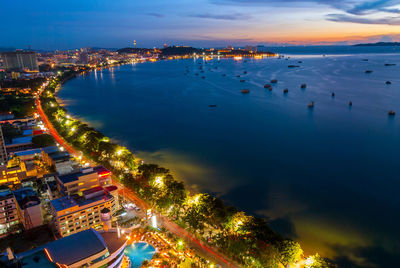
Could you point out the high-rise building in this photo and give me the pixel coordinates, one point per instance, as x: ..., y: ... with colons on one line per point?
x: 3, y: 152
x: 73, y: 214
x: 20, y: 61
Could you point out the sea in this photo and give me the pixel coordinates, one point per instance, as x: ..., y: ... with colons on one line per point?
x: 327, y: 176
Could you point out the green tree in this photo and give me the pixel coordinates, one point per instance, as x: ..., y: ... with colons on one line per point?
x: 290, y: 252
x: 42, y: 140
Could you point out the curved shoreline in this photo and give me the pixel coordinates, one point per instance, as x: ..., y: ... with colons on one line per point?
x: 65, y: 80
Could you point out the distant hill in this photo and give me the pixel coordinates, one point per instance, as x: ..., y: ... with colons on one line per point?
x: 179, y: 51
x: 379, y: 44
x: 131, y: 50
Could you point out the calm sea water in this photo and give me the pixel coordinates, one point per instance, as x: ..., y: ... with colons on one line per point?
x: 328, y: 177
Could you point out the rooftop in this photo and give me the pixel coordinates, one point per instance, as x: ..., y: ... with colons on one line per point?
x: 80, y: 246
x: 50, y: 149
x: 26, y: 195
x: 21, y: 140
x: 28, y: 152
x: 66, y: 202
x: 59, y: 155
x: 63, y: 203
x: 112, y: 241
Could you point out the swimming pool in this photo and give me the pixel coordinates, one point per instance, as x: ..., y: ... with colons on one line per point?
x: 139, y: 252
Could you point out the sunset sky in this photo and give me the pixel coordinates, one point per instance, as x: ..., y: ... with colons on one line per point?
x: 116, y: 23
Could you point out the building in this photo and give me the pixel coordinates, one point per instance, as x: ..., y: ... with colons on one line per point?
x: 19, y: 144
x: 29, y: 207
x: 3, y: 152
x: 89, y: 248
x: 60, y: 160
x: 20, y: 61
x: 73, y: 214
x: 9, y: 216
x: 84, y: 179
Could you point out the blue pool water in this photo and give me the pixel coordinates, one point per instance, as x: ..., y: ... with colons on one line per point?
x: 327, y: 177
x: 139, y: 252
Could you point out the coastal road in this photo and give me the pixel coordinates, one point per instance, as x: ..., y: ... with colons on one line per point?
x: 210, y: 252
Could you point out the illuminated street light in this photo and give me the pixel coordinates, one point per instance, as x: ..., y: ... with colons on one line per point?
x: 158, y: 181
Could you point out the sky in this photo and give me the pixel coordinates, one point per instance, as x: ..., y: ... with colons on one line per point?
x: 60, y: 24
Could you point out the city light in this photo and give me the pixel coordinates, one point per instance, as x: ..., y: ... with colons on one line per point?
x: 158, y: 182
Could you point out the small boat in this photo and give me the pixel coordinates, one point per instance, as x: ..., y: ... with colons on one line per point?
x: 242, y: 80
x: 212, y: 105
x: 285, y: 91
x: 245, y: 91
x: 201, y: 71
x: 364, y: 59
x: 196, y: 73
x: 391, y: 113
x: 238, y: 75
x: 390, y: 64
x: 303, y: 86
x: 245, y: 72
x: 310, y: 105
x: 267, y: 86
x: 333, y: 94
x: 274, y: 81
x: 293, y: 66
x: 203, y: 77
x: 350, y: 103
x: 368, y: 71
x: 388, y: 83
x: 299, y: 61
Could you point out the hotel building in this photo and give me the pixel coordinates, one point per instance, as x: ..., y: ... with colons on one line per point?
x: 89, y: 248
x: 75, y: 213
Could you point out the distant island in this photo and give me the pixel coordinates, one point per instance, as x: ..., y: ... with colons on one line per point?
x: 379, y: 44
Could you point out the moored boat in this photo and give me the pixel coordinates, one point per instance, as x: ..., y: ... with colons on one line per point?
x: 245, y: 91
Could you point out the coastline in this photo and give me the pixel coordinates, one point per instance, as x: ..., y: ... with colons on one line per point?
x: 57, y: 100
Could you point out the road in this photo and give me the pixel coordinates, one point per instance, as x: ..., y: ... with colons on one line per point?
x: 209, y: 252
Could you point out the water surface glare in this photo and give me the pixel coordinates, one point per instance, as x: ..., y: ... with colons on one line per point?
x: 327, y: 176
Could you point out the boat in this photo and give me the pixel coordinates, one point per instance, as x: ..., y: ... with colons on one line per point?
x: 391, y: 113
x: 285, y: 91
x: 390, y: 64
x: 299, y: 61
x: 242, y: 80
x: 368, y: 71
x: 203, y: 77
x: 303, y: 86
x: 333, y: 94
x: 364, y: 59
x: 388, y: 83
x: 350, y: 103
x: 212, y: 105
x: 267, y: 86
x: 293, y: 66
x: 245, y: 72
x: 310, y: 105
x: 245, y: 91
x: 196, y: 73
x: 274, y: 81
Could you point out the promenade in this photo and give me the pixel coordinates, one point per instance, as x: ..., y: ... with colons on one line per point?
x: 207, y: 251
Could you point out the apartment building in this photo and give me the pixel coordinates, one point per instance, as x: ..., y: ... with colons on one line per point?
x: 86, y: 178
x: 8, y: 211
x: 75, y: 213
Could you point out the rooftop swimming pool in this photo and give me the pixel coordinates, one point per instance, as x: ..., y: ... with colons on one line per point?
x: 139, y: 252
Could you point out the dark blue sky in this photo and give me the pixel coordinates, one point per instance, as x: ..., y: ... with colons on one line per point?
x: 60, y: 24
